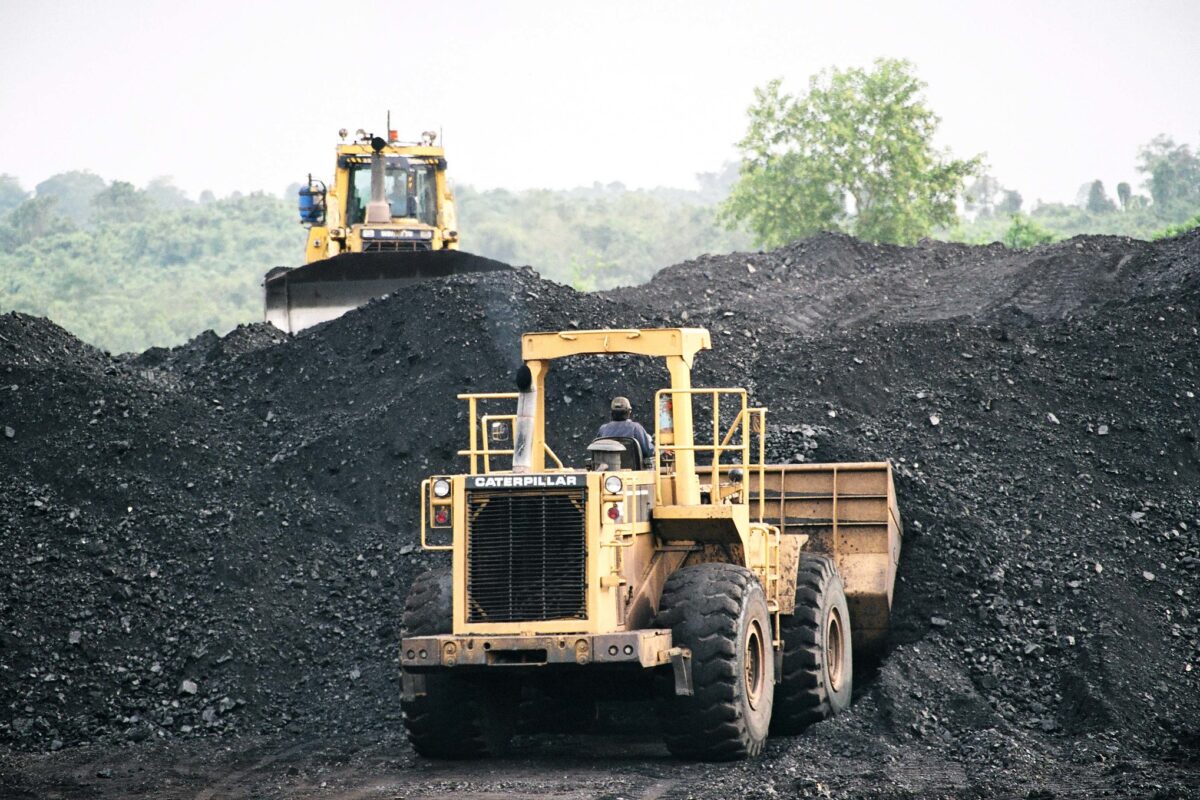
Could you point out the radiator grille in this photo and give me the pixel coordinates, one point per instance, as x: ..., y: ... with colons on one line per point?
x: 526, y: 556
x: 394, y: 246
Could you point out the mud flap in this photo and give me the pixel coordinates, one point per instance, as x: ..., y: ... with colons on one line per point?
x: 681, y: 665
x: 412, y: 686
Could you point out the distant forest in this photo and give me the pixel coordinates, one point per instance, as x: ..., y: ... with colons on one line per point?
x: 128, y: 267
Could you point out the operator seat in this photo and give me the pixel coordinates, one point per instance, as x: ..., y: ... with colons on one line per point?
x: 615, y: 452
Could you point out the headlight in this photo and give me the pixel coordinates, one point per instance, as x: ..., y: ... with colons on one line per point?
x: 441, y: 488
x: 368, y: 233
x: 613, y: 484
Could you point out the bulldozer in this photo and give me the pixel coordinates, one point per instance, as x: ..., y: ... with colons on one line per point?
x: 730, y: 592
x: 387, y: 219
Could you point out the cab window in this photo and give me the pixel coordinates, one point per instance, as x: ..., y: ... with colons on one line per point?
x: 411, y: 187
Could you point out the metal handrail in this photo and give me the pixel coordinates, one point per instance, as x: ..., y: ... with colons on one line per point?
x: 488, y: 452
x: 473, y: 451
x: 742, y: 420
x: 478, y: 427
x: 553, y: 456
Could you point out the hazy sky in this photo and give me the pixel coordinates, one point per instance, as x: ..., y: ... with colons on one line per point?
x: 244, y: 95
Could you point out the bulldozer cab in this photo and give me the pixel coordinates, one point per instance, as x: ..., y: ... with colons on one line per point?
x: 385, y: 220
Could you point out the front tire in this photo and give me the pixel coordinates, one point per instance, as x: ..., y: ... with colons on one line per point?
x: 459, y: 716
x: 818, y: 661
x: 719, y: 612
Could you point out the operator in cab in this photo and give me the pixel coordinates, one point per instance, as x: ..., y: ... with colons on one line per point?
x: 622, y: 425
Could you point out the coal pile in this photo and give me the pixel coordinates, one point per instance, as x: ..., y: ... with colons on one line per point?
x: 835, y: 281
x: 217, y: 539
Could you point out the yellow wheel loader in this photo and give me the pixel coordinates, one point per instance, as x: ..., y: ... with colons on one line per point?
x: 387, y: 219
x: 728, y: 590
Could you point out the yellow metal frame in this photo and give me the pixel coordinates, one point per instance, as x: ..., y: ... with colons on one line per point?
x: 681, y: 343
x: 626, y: 552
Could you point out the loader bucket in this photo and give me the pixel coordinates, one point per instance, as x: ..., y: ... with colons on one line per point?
x: 849, y: 512
x: 299, y: 298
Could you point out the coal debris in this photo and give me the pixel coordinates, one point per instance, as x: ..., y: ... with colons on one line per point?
x: 216, y: 539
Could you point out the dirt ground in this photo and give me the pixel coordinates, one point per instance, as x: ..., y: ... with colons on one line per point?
x: 613, y: 765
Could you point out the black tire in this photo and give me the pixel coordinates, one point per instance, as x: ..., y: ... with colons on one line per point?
x: 459, y: 716
x: 818, y: 661
x: 719, y: 612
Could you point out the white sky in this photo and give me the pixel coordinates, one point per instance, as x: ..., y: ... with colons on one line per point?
x: 233, y: 94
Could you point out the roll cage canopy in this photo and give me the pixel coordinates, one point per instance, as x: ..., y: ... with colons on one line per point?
x: 682, y: 343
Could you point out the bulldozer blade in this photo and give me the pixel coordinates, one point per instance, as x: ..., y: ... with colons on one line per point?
x: 298, y: 298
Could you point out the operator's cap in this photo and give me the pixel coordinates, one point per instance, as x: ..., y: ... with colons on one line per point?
x: 621, y: 404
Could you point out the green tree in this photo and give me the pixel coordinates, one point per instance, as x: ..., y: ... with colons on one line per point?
x: 1124, y: 195
x: 120, y: 202
x: 1178, y: 228
x: 1097, y: 199
x: 1010, y: 203
x: 1024, y: 232
x: 11, y: 193
x: 716, y: 186
x: 74, y: 192
x: 33, y: 219
x: 163, y: 193
x: 982, y: 196
x: 855, y: 153
x: 1172, y: 172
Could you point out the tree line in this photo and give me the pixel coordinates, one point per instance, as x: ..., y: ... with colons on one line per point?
x: 128, y: 267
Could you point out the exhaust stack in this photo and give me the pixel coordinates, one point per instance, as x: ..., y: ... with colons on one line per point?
x: 526, y: 409
x: 378, y: 210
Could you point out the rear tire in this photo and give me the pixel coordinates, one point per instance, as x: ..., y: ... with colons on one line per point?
x: 818, y: 661
x: 719, y: 612
x: 459, y: 716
